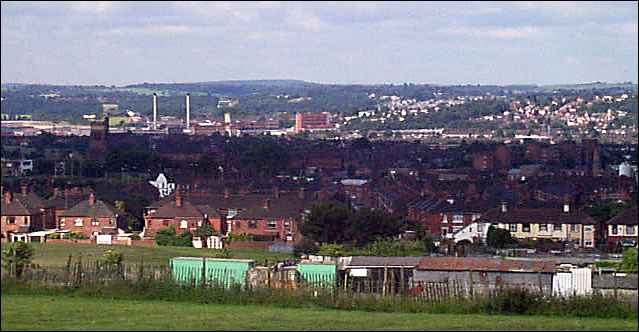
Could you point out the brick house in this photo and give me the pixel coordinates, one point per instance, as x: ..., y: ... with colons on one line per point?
x: 60, y: 202
x: 270, y: 218
x: 622, y: 228
x: 442, y: 217
x: 180, y: 214
x: 90, y: 217
x: 21, y: 213
x: 266, y: 217
x: 565, y: 224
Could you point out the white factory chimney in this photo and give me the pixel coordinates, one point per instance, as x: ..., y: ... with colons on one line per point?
x: 155, y: 111
x: 188, y: 112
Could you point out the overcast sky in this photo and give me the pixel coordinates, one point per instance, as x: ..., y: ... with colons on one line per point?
x: 442, y: 43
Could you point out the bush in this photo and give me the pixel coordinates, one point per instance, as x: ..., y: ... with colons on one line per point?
x: 239, y: 237
x: 77, y: 236
x: 111, y: 257
x: 165, y: 237
x: 513, y: 300
x: 184, y: 240
x: 204, y: 231
x: 305, y: 246
x: 135, y: 237
x: 394, y: 247
x: 17, y: 256
x: 332, y: 250
x: 53, y: 236
x: 629, y: 262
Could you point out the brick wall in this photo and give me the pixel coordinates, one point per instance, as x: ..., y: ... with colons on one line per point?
x: 69, y: 241
x: 249, y: 245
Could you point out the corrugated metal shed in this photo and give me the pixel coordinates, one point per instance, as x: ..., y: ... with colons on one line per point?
x: 222, y: 271
x: 379, y: 262
x: 318, y: 273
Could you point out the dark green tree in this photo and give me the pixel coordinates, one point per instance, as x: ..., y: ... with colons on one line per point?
x: 327, y: 223
x: 498, y: 237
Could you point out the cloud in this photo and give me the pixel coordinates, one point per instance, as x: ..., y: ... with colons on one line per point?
x: 492, y: 32
x: 151, y: 29
x: 97, y: 7
x: 434, y: 42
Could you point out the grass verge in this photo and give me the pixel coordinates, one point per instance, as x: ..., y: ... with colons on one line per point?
x: 69, y: 313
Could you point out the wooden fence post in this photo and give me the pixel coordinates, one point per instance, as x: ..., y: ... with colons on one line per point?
x: 471, y: 282
x: 385, y: 280
x: 401, y: 272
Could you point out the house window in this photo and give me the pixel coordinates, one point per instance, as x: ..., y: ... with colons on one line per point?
x: 543, y: 227
x: 11, y: 220
x: 271, y: 225
x: 588, y: 228
x: 444, y: 231
x: 445, y: 219
x: 252, y: 224
x: 458, y: 218
x: 558, y: 227
x: 62, y: 222
x: 526, y: 228
x: 513, y: 227
x: 199, y: 223
x: 165, y: 223
x: 95, y: 222
x: 630, y: 230
x: 238, y: 224
x: 184, y: 224
x: 615, y: 230
x: 78, y: 222
x: 573, y: 228
x: 476, y: 216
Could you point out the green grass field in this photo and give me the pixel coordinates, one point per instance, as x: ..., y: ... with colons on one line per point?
x: 56, y: 255
x: 65, y: 313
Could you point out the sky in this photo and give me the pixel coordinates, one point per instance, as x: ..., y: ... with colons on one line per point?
x: 119, y: 43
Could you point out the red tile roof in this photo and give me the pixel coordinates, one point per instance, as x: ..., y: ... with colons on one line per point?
x: 484, y: 264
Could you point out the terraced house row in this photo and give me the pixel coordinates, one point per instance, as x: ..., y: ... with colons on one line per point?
x: 277, y: 216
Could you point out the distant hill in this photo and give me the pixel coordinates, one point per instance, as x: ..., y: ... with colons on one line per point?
x: 590, y: 86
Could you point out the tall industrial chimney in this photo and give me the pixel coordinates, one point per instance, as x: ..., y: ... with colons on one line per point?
x: 188, y: 111
x: 155, y: 111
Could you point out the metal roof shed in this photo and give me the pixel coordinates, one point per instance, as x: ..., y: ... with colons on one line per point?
x: 224, y: 272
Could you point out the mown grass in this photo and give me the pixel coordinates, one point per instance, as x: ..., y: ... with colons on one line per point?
x: 56, y: 255
x: 68, y: 313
